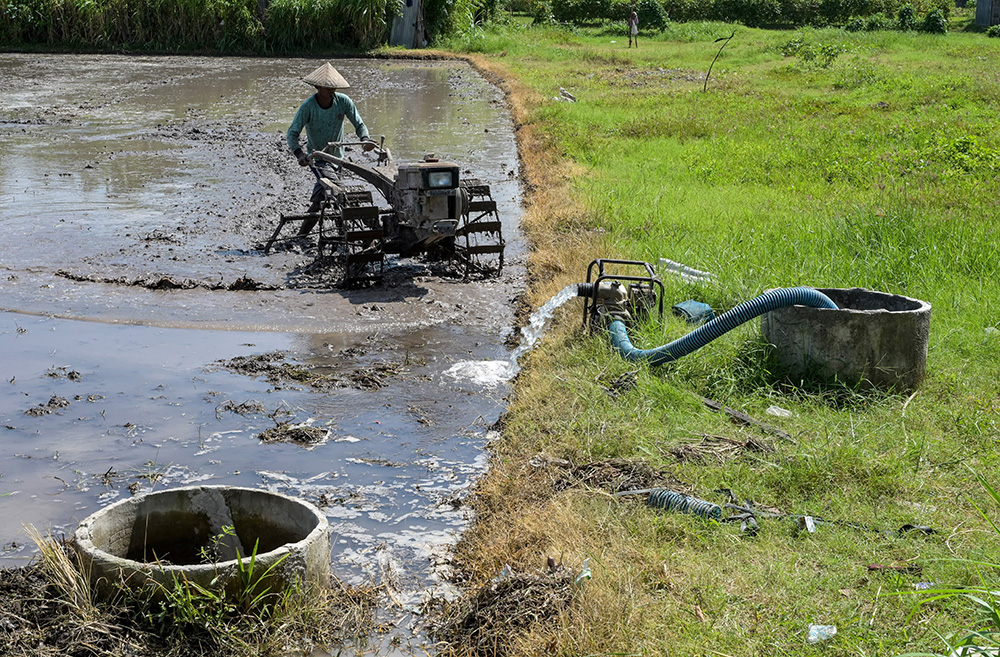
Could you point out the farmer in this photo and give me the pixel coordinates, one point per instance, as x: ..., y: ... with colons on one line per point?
x: 633, y: 29
x: 322, y: 116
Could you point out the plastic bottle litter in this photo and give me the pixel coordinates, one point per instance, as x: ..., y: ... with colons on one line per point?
x: 584, y: 573
x: 504, y: 573
x: 819, y: 633
x: 777, y: 411
x: 806, y: 524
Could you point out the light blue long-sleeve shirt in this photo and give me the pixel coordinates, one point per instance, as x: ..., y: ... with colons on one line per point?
x: 323, y: 126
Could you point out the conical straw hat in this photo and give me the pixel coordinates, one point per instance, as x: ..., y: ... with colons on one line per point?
x: 326, y: 76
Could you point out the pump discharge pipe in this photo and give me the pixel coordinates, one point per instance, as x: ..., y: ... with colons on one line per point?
x: 744, y: 312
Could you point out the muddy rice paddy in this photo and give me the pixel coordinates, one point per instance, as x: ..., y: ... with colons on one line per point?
x: 148, y: 342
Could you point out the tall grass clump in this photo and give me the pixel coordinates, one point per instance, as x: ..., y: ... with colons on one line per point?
x: 199, y: 25
x: 321, y: 24
x: 981, y: 595
x: 181, y: 617
x: 159, y: 24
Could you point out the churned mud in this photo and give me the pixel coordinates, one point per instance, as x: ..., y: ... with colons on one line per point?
x: 131, y: 186
x: 149, y: 341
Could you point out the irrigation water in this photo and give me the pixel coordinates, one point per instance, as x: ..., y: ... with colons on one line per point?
x: 148, y: 343
x: 494, y: 372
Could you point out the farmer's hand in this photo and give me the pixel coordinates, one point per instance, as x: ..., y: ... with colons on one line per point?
x: 367, y: 144
x: 301, y: 157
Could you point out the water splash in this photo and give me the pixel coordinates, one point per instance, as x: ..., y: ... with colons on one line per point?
x: 487, y: 373
x: 495, y: 372
x: 537, y: 323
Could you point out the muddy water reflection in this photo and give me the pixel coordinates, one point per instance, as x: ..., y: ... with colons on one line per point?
x: 118, y: 170
x: 131, y: 170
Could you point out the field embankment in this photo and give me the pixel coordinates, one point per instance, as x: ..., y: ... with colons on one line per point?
x: 822, y: 158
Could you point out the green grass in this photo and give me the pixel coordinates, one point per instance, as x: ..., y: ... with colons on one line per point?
x: 870, y: 162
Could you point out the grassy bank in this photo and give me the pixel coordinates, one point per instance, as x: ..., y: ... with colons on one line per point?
x: 815, y: 157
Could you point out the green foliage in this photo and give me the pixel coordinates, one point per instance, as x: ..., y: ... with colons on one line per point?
x: 906, y: 18
x: 873, y: 23
x: 294, y: 25
x: 652, y: 15
x: 215, y: 616
x: 878, y: 21
x: 983, y: 597
x: 212, y: 552
x: 753, y: 13
x: 209, y: 24
x: 935, y: 22
x: 993, y: 31
x: 820, y: 55
x: 585, y: 11
x: 217, y: 25
x: 542, y: 14
x: 449, y: 17
x: 856, y: 24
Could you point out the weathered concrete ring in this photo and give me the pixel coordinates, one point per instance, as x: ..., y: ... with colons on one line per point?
x: 182, y: 533
x: 873, y: 339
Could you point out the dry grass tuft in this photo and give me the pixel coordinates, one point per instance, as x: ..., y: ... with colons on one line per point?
x: 46, y: 609
x: 488, y: 621
x: 72, y: 585
x: 718, y: 449
x: 617, y: 475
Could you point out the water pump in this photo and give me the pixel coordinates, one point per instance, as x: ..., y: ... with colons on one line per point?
x: 628, y: 297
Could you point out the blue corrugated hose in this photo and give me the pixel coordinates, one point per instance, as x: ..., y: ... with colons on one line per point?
x: 669, y: 500
x: 727, y: 321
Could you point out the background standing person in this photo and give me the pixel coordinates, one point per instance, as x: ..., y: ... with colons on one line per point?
x: 633, y: 29
x: 322, y: 116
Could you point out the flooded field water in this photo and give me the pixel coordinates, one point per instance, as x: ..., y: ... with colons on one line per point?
x: 118, y: 174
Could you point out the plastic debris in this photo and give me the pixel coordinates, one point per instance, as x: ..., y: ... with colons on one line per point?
x: 504, y: 573
x: 585, y: 573
x: 819, y: 633
x: 908, y: 568
x: 920, y: 529
x: 777, y: 411
x: 694, y: 312
x: 805, y: 523
x: 749, y: 526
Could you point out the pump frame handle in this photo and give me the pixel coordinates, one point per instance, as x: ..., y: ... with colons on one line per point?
x: 591, y: 302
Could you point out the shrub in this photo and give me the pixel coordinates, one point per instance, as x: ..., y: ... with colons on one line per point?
x: 935, y: 23
x: 652, y: 15
x: 878, y: 21
x: 993, y: 31
x: 752, y: 13
x: 542, y: 14
x: 792, y: 48
x: 689, y: 10
x: 906, y: 18
x: 856, y: 24
x: 582, y: 11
